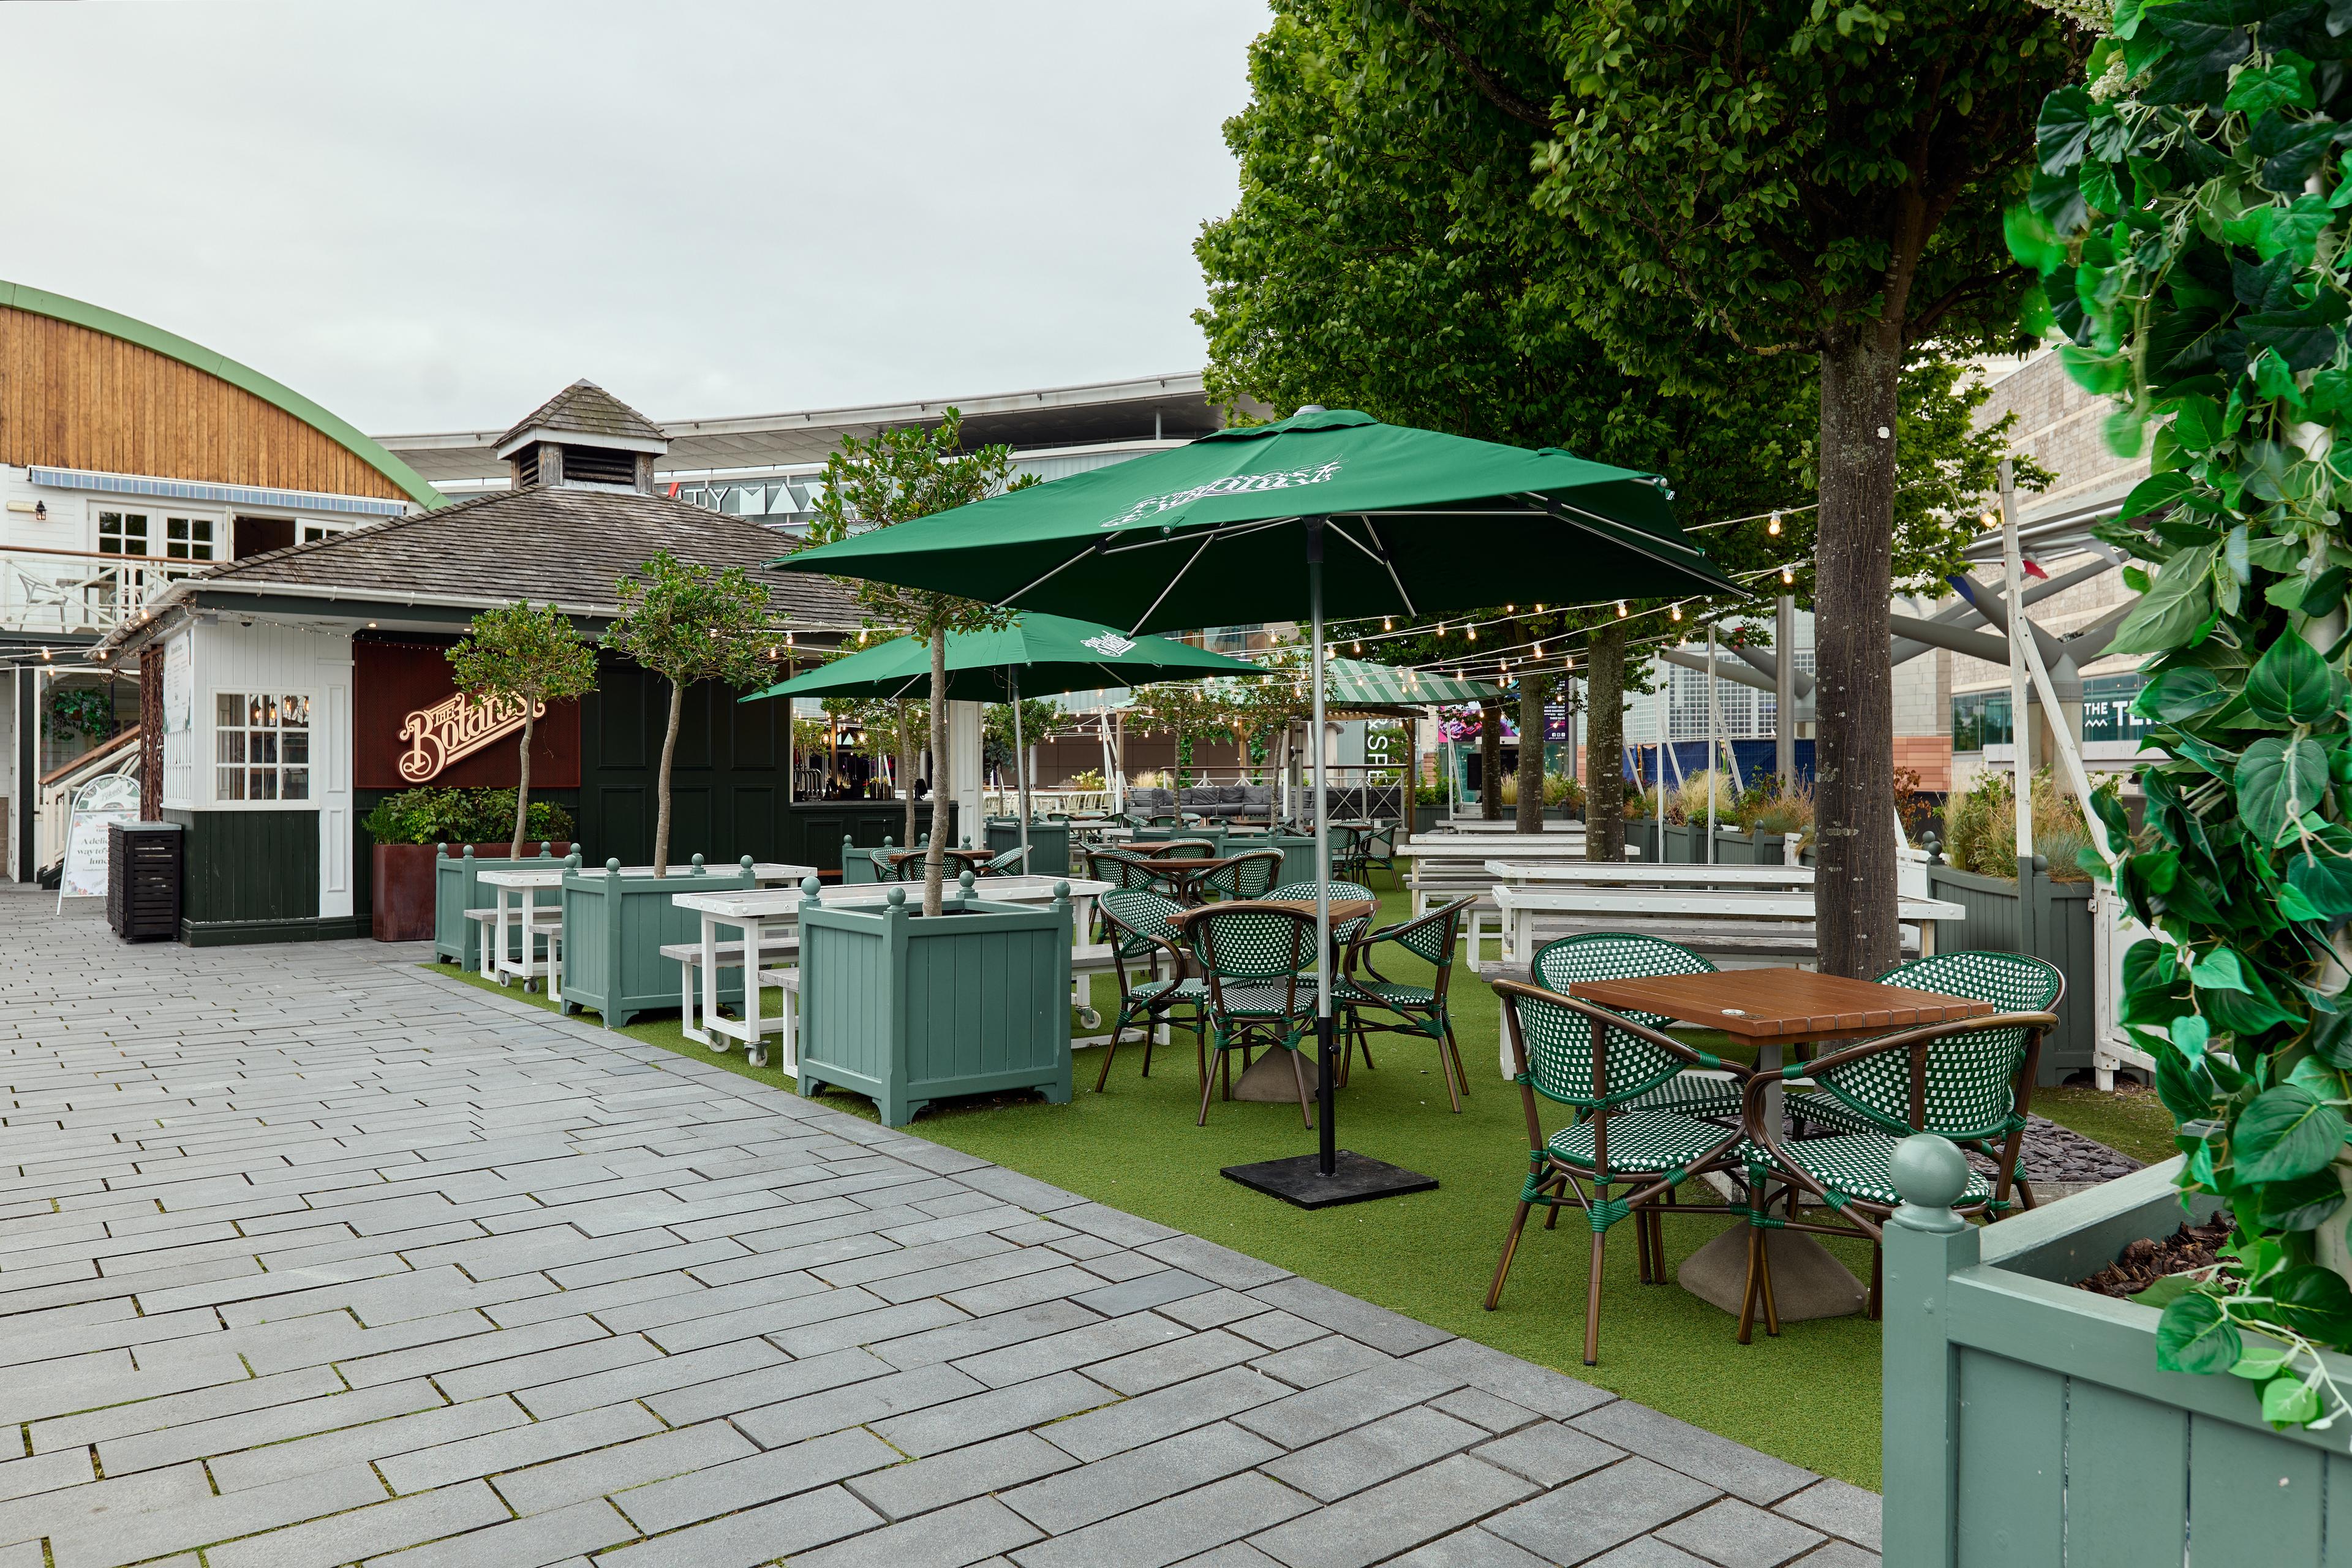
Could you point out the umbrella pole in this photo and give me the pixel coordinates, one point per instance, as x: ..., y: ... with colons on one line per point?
x: 1020, y: 770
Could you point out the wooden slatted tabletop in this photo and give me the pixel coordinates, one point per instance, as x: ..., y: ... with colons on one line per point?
x: 1780, y: 1006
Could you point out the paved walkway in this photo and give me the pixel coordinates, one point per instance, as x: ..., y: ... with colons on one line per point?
x: 307, y: 1259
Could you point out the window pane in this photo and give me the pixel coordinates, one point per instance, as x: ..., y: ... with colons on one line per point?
x: 298, y: 783
x: 175, y: 528
x: 203, y: 553
x: 232, y: 783
x: 262, y: 783
x: 229, y: 711
x: 177, y: 550
x: 294, y: 712
x: 295, y: 747
x: 232, y: 745
x: 266, y: 708
x: 263, y: 748
x: 134, y: 531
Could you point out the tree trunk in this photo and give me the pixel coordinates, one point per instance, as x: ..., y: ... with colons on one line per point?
x: 522, y: 784
x: 1604, y: 743
x: 1533, y: 689
x: 935, y: 857
x: 1853, y: 781
x: 661, y: 792
x: 1490, y: 760
x: 905, y: 771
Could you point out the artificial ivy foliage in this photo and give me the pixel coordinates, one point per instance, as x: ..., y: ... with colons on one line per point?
x: 2187, y: 217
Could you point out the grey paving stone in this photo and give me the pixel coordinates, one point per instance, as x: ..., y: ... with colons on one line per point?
x: 1587, y: 1516
x: 755, y: 1536
x: 517, y: 1447
x: 1394, y: 1517
x: 771, y: 1385
x: 1484, y: 1409
x: 1475, y: 1548
x: 1012, y: 1188
x: 363, y: 1444
x: 560, y: 1482
x: 994, y: 1413
x: 1832, y: 1506
x: 1276, y: 1330
x: 1550, y: 1453
x: 114, y: 1540
x: 1163, y: 1412
x: 1119, y: 1265
x: 1540, y: 1389
x: 1076, y: 1498
x: 1374, y: 1453
x: 45, y: 1472
x: 534, y: 1543
x: 964, y: 1338
x: 45, y: 1512
x: 954, y: 1537
x: 1842, y: 1554
x: 654, y: 1376
x: 1718, y: 1461
x: 1319, y: 1361
x: 1214, y: 1309
x: 1740, y: 1535
x: 296, y: 1418
x: 1149, y: 1291
x: 996, y: 1466
x: 722, y: 1488
x: 1238, y: 1270
x: 121, y: 1420
x: 1098, y: 1340
x: 855, y: 1404
x: 1315, y: 1414
x: 1140, y: 1372
x: 1376, y: 1326
x: 1114, y: 1225
x: 382, y: 1527
x: 1236, y: 1555
x: 1173, y: 1530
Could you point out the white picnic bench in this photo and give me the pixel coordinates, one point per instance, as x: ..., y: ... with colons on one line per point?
x: 769, y: 917
x: 534, y: 922
x: 1446, y: 867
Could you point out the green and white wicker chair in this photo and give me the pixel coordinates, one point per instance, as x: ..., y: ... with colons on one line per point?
x: 1377, y: 848
x: 1009, y: 864
x: 2012, y: 982
x: 1343, y: 933
x: 1603, y: 1064
x: 1143, y: 936
x: 1121, y: 868
x: 1971, y: 1083
x: 1254, y: 960
x: 1630, y: 955
x: 1248, y: 875
x: 1377, y: 1004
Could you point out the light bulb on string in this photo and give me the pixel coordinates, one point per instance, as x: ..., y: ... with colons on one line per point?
x: 1989, y: 520
x: 1787, y: 578
x: 1774, y: 526
x: 1510, y: 609
x: 1386, y: 624
x: 1678, y: 612
x: 1621, y: 609
x: 1474, y: 631
x: 1355, y: 647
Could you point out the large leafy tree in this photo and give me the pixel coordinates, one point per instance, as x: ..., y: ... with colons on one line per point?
x: 2193, y: 217
x: 887, y: 478
x: 516, y: 654
x: 689, y: 624
x: 1389, y: 254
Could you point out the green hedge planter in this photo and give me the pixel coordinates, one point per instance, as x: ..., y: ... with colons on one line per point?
x: 906, y: 1010
x: 615, y: 928
x: 457, y: 888
x: 2027, y: 1425
x: 1049, y: 844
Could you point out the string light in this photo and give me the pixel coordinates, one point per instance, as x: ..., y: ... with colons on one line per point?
x: 1474, y: 631
x: 1787, y: 578
x: 1386, y: 624
x: 1621, y: 609
x: 1774, y: 526
x: 1989, y: 520
x: 1678, y: 612
x: 1355, y: 647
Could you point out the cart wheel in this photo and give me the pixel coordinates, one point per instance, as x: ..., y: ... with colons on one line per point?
x: 1089, y: 1018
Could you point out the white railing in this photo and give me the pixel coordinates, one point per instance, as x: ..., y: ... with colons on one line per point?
x: 54, y: 802
x: 76, y: 591
x: 1002, y: 801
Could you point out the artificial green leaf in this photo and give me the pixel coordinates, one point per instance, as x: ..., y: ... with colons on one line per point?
x: 2176, y: 694
x: 2331, y: 1038
x: 2258, y: 89
x: 2219, y: 971
x: 2288, y: 1402
x: 2163, y: 1291
x: 2260, y: 1361
x: 2185, y: 1087
x: 2190, y: 1033
x: 2064, y: 130
x: 2314, y: 1302
x: 2193, y: 1336
x: 2278, y: 779
x: 2175, y: 605
x: 2159, y: 490
x: 2290, y: 684
x: 2305, y: 1202
x: 2324, y: 881
x: 2286, y: 1132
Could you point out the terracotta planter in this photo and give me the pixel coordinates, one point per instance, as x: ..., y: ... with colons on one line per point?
x: 401, y: 897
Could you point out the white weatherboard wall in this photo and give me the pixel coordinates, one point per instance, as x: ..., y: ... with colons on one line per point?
x: 226, y: 656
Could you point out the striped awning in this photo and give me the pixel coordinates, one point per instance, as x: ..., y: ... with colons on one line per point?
x: 1358, y: 683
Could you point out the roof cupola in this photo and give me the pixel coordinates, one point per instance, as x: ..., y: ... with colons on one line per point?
x: 586, y: 439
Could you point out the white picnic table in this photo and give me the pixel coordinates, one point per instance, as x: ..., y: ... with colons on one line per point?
x: 757, y: 913
x: 534, y: 919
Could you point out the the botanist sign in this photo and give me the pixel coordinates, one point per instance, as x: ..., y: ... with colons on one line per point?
x: 410, y: 726
x: 457, y: 727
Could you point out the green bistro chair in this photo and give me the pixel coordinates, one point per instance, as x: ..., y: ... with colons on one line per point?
x: 1248, y: 875
x: 1005, y: 865
x: 1122, y: 869
x: 1256, y: 961
x: 1376, y: 1005
x: 1971, y: 1083
x: 1603, y: 1064
x: 1630, y: 955
x: 1343, y: 933
x: 1142, y: 930
x: 1378, y: 849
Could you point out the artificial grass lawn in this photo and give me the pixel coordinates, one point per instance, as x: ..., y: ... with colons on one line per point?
x: 1810, y: 1396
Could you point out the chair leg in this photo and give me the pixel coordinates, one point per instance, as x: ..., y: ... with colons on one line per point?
x: 1461, y: 1073
x: 1447, y: 1071
x: 1112, y: 1050
x: 1592, y: 1302
x: 1510, y: 1251
x: 1764, y: 1281
x: 1641, y: 1247
x: 1305, y: 1107
x: 1748, y: 1294
x: 1209, y: 1082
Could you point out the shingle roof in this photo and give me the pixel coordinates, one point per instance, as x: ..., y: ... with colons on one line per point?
x: 546, y: 544
x: 587, y: 409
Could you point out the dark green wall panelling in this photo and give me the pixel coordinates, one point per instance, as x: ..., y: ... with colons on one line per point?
x: 251, y: 869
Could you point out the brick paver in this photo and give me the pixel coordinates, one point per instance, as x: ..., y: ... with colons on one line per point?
x: 309, y: 1257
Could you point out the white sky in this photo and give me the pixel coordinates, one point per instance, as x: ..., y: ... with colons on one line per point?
x: 430, y: 215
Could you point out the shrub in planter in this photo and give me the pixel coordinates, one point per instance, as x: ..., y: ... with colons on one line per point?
x: 906, y: 1008
x: 405, y: 885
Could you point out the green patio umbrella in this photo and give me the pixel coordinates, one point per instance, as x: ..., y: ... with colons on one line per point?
x: 1330, y: 511
x: 1037, y: 655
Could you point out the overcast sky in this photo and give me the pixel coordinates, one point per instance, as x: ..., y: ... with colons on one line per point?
x: 431, y: 215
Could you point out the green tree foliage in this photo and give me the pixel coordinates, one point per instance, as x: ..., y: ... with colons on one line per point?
x: 909, y: 472
x: 516, y: 654
x: 1389, y: 254
x: 689, y: 624
x: 2189, y: 219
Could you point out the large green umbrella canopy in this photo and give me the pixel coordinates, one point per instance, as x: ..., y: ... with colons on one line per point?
x: 1038, y: 656
x: 1211, y: 533
x: 1330, y: 512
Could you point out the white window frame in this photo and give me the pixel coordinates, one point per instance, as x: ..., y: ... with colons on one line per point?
x: 217, y: 544
x: 212, y: 763
x: 98, y: 513
x: 311, y: 530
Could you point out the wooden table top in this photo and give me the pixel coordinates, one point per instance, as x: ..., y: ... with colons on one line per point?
x: 1784, y: 1005
x: 1342, y: 909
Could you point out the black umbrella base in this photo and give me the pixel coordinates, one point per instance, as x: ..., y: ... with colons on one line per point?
x: 1354, y: 1179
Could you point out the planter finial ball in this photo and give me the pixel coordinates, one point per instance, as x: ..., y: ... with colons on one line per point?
x: 440, y: 852
x: 698, y: 865
x: 613, y: 867
x: 811, y: 890
x: 1930, y: 1174
x: 896, y: 898
x: 963, y: 883
x: 469, y: 852
x: 746, y: 863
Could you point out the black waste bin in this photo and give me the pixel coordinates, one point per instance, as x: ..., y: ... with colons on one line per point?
x: 143, y: 861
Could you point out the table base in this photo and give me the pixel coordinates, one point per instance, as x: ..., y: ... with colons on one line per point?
x: 1808, y: 1282
x: 1269, y: 1080
x: 1355, y: 1178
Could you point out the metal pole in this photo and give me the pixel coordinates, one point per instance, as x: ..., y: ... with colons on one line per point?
x: 1714, y: 733
x: 2020, y: 725
x: 1020, y: 769
x: 1784, y: 692
x: 1660, y: 701
x: 1327, y: 1136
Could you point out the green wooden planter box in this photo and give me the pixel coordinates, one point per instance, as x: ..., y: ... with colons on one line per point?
x: 906, y: 1010
x: 615, y: 928
x: 2027, y: 1425
x: 2051, y: 920
x: 457, y: 888
x: 1686, y: 844
x: 1049, y: 844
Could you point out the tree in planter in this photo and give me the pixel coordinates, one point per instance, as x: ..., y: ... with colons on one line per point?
x: 517, y: 655
x: 2189, y: 221
x: 888, y: 479
x: 689, y: 624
